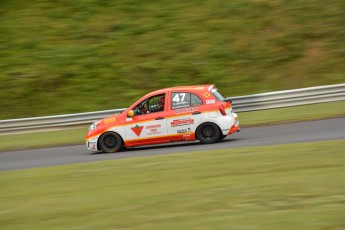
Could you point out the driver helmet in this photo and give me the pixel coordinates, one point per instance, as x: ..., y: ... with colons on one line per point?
x: 161, y: 103
x: 144, y: 109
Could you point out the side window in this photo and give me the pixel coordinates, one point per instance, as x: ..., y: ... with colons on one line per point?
x: 141, y: 108
x: 195, y: 100
x: 150, y: 105
x: 181, y: 100
x: 156, y: 103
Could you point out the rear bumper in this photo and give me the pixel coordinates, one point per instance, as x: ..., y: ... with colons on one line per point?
x: 235, y: 127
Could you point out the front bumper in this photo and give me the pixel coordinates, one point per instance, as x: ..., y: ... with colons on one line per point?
x: 91, y: 145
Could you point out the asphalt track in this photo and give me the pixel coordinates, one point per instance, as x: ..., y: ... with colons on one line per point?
x: 329, y: 129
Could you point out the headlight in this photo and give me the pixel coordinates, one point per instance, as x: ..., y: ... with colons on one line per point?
x: 93, y: 126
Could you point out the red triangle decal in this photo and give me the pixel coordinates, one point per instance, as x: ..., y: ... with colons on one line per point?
x: 137, y: 130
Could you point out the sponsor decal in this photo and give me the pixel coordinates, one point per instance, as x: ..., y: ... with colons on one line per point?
x: 181, y: 104
x: 210, y: 102
x: 183, y: 130
x: 137, y: 129
x: 181, y: 122
x: 93, y: 146
x: 153, y: 126
x: 180, y: 100
x: 207, y: 94
x: 178, y: 140
x: 109, y: 120
x: 153, y: 129
x: 185, y: 110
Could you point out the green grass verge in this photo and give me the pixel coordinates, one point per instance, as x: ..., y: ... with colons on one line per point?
x: 293, y: 114
x: 264, y: 117
x: 43, y: 139
x: 59, y: 57
x: 295, y: 186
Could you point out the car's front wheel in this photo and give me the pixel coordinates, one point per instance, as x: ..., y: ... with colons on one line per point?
x: 208, y: 133
x: 110, y: 142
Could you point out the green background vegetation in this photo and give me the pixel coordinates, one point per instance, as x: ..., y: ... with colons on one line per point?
x: 295, y: 186
x: 84, y: 55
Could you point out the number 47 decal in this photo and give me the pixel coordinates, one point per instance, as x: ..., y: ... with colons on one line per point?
x: 179, y: 97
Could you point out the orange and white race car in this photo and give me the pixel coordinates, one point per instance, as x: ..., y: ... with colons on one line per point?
x: 176, y: 114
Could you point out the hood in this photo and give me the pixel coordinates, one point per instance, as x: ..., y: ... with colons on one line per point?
x: 108, y: 120
x: 103, y: 124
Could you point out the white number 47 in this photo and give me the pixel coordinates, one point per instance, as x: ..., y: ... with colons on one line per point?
x: 179, y: 97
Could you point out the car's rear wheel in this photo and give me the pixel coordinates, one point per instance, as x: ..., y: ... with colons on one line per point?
x: 208, y: 133
x: 110, y: 142
x: 222, y: 137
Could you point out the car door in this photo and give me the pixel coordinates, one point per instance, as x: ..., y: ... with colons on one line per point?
x: 148, y: 125
x: 184, y: 115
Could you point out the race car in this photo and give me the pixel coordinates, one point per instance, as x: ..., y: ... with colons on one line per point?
x: 177, y: 114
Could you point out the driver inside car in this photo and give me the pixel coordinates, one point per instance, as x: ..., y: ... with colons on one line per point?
x: 144, y: 109
x: 161, y: 104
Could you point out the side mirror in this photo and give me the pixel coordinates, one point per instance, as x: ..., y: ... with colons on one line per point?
x: 130, y: 113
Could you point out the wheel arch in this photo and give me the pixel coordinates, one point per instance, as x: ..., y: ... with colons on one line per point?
x: 205, y: 123
x: 100, y: 138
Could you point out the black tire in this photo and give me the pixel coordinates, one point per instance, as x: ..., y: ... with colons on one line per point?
x: 110, y: 142
x: 208, y: 133
x: 123, y: 148
x: 222, y: 137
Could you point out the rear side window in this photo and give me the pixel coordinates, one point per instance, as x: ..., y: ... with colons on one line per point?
x: 195, y: 100
x: 181, y: 100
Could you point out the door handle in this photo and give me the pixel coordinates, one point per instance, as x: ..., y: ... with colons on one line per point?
x: 159, y: 118
x: 195, y: 113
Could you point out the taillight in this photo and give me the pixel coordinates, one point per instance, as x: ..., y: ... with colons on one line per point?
x: 222, y: 110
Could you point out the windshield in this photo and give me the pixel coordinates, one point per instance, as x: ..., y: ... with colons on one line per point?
x: 217, y: 94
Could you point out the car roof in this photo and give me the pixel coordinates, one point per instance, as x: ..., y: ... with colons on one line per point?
x: 182, y: 88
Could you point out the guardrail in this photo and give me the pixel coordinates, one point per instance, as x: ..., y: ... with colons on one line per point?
x: 288, y: 98
x: 270, y: 100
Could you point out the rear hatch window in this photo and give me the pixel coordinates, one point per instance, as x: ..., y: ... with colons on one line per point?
x: 217, y: 94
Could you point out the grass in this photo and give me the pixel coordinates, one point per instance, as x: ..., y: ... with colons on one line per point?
x: 295, y: 186
x: 293, y: 114
x: 59, y: 57
x: 43, y: 139
x: 254, y: 118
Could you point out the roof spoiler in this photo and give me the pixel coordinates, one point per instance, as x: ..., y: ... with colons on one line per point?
x: 228, y: 100
x: 211, y: 87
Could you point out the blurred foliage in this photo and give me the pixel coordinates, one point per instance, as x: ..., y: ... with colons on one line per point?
x: 67, y: 56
